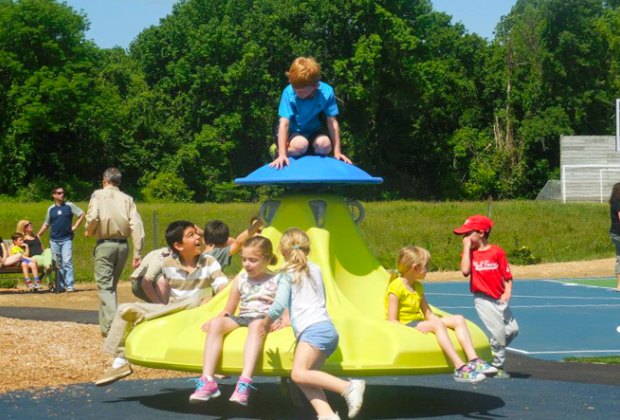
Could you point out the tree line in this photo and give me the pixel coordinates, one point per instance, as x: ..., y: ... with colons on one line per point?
x: 440, y: 113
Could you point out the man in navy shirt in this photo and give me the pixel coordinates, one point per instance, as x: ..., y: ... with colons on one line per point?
x: 59, y: 218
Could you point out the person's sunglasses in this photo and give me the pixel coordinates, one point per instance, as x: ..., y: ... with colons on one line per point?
x: 59, y: 193
x: 28, y: 224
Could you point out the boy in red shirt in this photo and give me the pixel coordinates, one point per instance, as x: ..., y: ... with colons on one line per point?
x: 491, y: 284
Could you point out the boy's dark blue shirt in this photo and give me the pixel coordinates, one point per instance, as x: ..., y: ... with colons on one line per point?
x: 60, y: 218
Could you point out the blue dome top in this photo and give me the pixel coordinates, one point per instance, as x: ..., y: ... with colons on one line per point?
x: 310, y: 170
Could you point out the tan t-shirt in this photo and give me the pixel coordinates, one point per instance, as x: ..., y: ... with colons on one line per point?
x: 150, y: 266
x: 112, y: 214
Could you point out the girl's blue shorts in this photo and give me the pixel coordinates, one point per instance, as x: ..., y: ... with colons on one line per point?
x: 322, y: 336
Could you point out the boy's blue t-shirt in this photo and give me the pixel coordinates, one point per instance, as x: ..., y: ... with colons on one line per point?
x: 303, y: 114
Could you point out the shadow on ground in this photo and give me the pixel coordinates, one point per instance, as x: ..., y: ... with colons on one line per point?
x: 402, y: 397
x: 381, y: 402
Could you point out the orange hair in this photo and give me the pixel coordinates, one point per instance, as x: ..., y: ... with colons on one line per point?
x: 304, y: 71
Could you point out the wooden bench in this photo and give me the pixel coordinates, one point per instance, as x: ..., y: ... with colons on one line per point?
x: 17, y: 269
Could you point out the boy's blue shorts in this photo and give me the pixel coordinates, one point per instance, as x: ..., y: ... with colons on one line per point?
x: 322, y: 336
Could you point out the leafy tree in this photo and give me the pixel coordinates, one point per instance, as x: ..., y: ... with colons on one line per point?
x: 221, y: 65
x: 547, y: 66
x: 61, y: 121
x: 438, y: 112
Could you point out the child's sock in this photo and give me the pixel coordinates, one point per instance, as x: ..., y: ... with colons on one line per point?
x: 36, y: 280
x: 118, y: 362
x: 27, y: 280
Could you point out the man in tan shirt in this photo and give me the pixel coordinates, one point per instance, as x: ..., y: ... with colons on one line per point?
x: 112, y: 218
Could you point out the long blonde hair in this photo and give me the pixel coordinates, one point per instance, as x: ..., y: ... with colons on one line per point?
x: 407, y: 258
x: 21, y: 226
x: 295, y: 247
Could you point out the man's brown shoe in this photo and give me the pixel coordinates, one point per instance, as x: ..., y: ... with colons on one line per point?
x: 114, y: 374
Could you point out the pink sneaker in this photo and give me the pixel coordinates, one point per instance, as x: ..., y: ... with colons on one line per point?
x: 242, y: 393
x: 205, y: 390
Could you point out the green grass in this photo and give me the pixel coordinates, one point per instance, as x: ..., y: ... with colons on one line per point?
x: 551, y: 232
x: 610, y: 360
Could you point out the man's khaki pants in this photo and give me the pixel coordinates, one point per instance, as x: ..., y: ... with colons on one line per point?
x: 129, y: 315
x: 110, y: 259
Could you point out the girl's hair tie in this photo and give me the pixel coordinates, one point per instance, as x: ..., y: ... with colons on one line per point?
x: 295, y: 246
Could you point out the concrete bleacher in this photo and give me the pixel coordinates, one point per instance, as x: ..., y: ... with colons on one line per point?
x: 590, y: 166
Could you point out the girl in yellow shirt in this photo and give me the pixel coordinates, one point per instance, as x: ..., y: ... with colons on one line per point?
x: 406, y: 304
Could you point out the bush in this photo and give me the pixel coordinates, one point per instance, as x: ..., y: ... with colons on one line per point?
x: 8, y: 282
x: 77, y: 189
x: 523, y: 256
x: 37, y: 190
x: 166, y: 187
x: 40, y: 189
x: 228, y: 192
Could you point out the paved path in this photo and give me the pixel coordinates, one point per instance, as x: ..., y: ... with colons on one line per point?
x: 402, y: 397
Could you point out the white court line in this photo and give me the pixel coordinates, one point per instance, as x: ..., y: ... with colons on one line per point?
x: 594, y: 305
x: 600, y: 305
x: 569, y: 283
x: 589, y: 286
x: 561, y: 351
x: 533, y: 297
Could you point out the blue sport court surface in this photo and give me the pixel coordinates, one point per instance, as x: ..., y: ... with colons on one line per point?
x: 557, y: 319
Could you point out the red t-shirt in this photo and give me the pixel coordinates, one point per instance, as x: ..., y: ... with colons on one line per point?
x: 489, y: 270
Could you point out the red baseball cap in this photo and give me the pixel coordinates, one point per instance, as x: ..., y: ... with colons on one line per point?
x: 476, y: 222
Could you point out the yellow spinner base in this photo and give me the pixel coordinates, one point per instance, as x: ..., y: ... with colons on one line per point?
x: 354, y: 282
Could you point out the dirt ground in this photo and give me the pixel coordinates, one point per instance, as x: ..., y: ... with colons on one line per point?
x: 39, y: 354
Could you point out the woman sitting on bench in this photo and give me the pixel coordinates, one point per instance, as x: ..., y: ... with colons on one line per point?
x: 42, y: 255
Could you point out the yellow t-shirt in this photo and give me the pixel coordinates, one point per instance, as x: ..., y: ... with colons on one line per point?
x: 408, y: 302
x: 16, y: 250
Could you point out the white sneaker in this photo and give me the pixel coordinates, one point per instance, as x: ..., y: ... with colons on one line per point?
x: 354, y: 396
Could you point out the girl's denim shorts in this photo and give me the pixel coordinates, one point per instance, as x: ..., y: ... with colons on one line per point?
x: 414, y: 324
x: 322, y: 336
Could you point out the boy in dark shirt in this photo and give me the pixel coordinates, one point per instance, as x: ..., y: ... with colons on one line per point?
x: 221, y: 246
